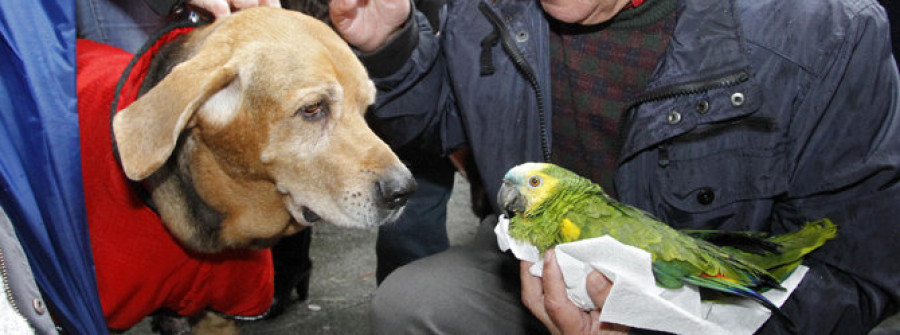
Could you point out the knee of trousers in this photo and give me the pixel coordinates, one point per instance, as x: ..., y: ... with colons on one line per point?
x: 405, y: 302
x: 425, y: 296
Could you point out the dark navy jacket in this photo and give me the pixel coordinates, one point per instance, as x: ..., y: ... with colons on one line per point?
x: 761, y: 115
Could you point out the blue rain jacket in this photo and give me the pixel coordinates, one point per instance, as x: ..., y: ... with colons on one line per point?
x: 40, y: 161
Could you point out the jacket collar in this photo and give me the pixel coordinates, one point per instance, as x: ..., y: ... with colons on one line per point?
x: 707, y: 46
x: 707, y: 40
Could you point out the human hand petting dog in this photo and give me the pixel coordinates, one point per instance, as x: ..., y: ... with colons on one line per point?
x: 223, y: 8
x: 546, y: 298
x: 367, y: 24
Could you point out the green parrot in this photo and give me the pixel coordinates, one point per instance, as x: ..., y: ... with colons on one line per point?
x: 548, y: 205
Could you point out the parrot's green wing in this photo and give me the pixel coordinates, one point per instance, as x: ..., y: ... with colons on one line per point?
x: 592, y: 217
x: 636, y: 228
x: 679, y: 258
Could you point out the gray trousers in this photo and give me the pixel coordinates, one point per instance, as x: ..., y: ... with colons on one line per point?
x: 469, y: 289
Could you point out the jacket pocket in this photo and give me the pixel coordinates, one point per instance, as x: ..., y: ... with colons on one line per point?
x: 724, y: 167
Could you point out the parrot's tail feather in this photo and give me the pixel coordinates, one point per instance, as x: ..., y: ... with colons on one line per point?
x: 746, y: 241
x: 795, y: 246
x: 725, y: 286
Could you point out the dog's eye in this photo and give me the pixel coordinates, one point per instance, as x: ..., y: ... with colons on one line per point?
x: 312, y: 112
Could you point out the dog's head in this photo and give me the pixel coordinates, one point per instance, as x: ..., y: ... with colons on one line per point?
x: 260, y: 131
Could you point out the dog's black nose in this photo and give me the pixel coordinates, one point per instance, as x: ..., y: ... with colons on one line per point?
x: 395, y: 187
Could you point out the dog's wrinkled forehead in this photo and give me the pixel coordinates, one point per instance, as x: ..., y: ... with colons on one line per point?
x: 290, y: 42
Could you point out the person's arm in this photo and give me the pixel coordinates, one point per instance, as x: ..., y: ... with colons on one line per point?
x: 367, y: 25
x: 847, y: 168
x: 414, y: 97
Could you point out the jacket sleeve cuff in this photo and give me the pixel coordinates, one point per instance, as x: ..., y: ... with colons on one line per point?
x: 391, y: 56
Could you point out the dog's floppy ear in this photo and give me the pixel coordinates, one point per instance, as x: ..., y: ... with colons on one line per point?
x: 146, y: 131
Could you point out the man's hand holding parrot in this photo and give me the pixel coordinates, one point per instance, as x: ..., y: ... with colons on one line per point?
x: 546, y: 298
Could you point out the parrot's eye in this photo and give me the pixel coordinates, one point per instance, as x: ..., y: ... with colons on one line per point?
x: 534, y: 181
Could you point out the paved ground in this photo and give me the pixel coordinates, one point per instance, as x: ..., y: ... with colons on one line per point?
x: 343, y: 280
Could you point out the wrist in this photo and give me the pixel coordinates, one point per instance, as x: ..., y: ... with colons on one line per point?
x: 386, y: 38
x: 393, y: 52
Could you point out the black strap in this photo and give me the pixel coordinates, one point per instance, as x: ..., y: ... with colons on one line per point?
x: 487, y: 47
x: 141, y: 191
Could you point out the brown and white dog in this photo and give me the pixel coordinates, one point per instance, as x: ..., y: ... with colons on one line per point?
x: 270, y: 106
x: 245, y: 131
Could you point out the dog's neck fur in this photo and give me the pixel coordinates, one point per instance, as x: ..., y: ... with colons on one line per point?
x: 186, y: 214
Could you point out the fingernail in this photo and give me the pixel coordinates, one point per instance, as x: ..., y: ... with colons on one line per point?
x: 547, y: 256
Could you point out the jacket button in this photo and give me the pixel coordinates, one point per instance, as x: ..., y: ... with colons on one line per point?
x: 673, y: 118
x: 703, y: 107
x: 706, y: 196
x: 737, y: 99
x: 522, y: 36
x: 38, y: 305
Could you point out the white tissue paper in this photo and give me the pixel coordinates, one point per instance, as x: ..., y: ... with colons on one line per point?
x: 634, y: 299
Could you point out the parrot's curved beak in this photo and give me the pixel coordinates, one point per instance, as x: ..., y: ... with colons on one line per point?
x: 509, y: 199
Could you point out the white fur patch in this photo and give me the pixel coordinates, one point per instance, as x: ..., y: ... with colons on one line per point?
x: 222, y: 107
x: 371, y: 92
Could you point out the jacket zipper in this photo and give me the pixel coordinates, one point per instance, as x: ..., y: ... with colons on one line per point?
x: 668, y: 92
x: 4, y: 272
x: 696, y: 87
x: 524, y: 68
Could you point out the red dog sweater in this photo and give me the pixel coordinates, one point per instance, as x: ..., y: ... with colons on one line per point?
x: 140, y: 267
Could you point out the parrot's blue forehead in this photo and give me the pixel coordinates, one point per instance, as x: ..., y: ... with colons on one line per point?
x: 523, y: 170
